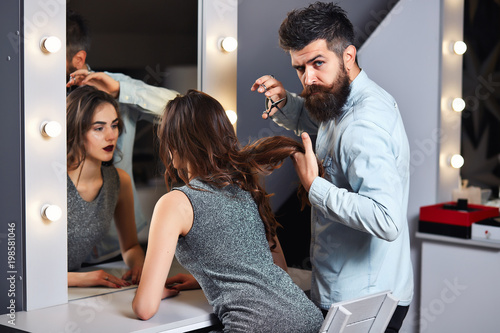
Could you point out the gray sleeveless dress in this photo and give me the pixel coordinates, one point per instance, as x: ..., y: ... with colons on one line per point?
x: 88, y: 222
x: 227, y: 252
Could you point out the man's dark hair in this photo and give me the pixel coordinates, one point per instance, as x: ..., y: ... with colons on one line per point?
x: 77, y: 34
x: 317, y: 21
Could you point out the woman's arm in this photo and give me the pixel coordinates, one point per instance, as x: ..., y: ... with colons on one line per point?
x: 172, y: 217
x: 132, y: 253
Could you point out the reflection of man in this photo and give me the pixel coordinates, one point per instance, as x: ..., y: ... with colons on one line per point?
x: 360, y: 240
x: 137, y: 101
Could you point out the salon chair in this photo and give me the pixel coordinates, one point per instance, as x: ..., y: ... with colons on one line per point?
x: 369, y: 314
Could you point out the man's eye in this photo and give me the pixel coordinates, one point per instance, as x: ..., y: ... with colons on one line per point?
x: 319, y: 63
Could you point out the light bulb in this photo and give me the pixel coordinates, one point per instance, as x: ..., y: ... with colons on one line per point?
x: 50, y: 129
x: 458, y: 104
x: 233, y: 117
x: 51, y: 212
x: 229, y: 44
x: 50, y: 44
x: 457, y: 161
x: 459, y: 47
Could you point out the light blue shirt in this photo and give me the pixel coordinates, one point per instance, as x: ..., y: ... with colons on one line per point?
x: 138, y: 101
x: 360, y: 240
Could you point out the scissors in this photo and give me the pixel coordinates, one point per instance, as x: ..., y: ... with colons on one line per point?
x: 274, y: 105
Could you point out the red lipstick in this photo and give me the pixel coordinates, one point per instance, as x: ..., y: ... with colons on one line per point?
x: 109, y: 148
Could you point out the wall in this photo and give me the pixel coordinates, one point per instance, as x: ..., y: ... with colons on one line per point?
x: 403, y: 56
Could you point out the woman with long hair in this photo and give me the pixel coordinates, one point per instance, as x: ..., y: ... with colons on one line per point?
x: 220, y: 224
x: 97, y: 191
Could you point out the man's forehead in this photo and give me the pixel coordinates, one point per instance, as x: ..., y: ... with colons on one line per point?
x: 312, y: 51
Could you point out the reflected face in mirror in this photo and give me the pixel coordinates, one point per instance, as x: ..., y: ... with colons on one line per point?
x: 100, y: 139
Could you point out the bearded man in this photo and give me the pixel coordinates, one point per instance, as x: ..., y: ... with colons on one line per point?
x: 360, y: 239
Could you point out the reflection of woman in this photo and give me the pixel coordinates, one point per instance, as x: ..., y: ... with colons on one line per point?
x: 97, y: 193
x: 220, y: 224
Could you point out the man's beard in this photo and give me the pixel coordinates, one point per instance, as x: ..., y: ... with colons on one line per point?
x: 326, y: 103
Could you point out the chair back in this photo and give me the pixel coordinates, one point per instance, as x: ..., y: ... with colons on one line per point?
x: 369, y: 314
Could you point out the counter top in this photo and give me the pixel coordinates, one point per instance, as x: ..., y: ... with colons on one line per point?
x: 455, y: 240
x: 110, y: 310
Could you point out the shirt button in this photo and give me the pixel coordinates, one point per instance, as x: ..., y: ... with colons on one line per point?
x: 395, y: 105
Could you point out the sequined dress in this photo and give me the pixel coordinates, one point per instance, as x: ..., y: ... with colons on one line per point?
x: 227, y: 252
x: 88, y: 222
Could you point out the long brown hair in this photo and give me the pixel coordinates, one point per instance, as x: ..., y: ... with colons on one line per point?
x: 80, y: 108
x: 196, y: 130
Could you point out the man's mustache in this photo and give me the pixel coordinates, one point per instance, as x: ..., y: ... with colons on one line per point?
x: 313, y: 89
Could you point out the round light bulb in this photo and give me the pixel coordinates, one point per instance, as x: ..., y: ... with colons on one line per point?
x: 233, y: 117
x: 457, y: 161
x: 51, y: 212
x: 458, y: 104
x: 51, y: 44
x: 229, y: 44
x: 51, y: 129
x: 459, y: 47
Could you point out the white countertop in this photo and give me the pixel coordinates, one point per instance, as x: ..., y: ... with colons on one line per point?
x: 110, y: 310
x: 456, y: 240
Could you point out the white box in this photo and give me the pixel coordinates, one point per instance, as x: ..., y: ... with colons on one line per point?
x: 486, y: 230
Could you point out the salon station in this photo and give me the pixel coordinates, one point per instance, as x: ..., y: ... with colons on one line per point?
x: 220, y: 47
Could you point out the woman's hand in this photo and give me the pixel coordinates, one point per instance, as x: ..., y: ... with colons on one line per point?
x: 182, y: 282
x: 134, y: 274
x: 95, y: 278
x: 169, y: 292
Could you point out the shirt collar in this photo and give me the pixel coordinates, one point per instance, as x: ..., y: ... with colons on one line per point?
x: 357, y: 85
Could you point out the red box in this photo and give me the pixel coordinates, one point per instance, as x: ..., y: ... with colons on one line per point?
x: 436, y: 213
x: 437, y: 219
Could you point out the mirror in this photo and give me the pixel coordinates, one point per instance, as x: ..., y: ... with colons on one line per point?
x: 152, y: 41
x: 481, y: 92
x: 155, y: 42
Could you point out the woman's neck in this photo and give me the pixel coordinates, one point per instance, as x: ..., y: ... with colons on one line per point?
x: 87, y: 170
x: 87, y: 178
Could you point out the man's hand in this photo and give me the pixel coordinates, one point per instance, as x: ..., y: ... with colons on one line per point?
x: 306, y: 164
x: 182, y: 282
x: 272, y: 89
x: 99, y: 80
